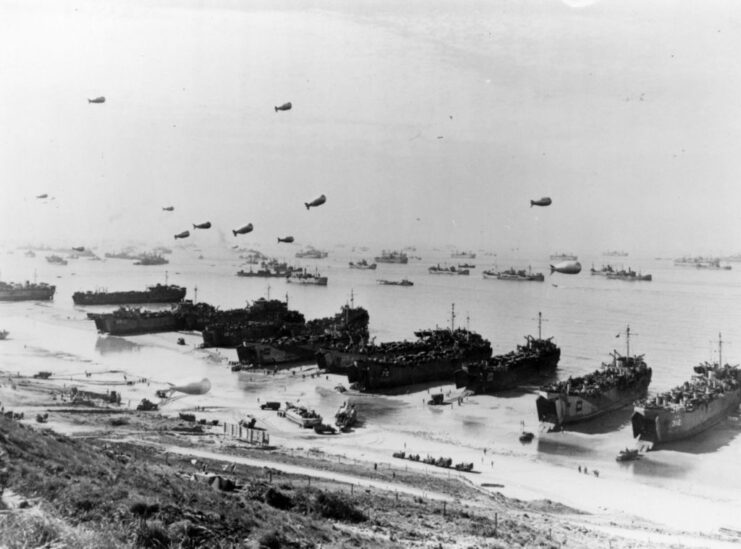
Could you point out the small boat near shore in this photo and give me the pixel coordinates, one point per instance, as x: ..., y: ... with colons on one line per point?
x: 363, y: 265
x: 438, y: 270
x: 306, y: 278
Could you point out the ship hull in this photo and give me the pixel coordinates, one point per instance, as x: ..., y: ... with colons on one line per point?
x: 45, y: 294
x: 400, y: 260
x: 337, y: 362
x: 128, y: 298
x: 373, y: 375
x: 561, y: 408
x: 132, y: 326
x: 661, y: 426
x: 262, y: 355
x: 521, y: 370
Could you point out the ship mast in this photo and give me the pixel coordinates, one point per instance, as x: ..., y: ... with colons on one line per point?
x: 540, y: 324
x: 452, y: 317
x: 166, y: 278
x: 195, y: 294
x: 720, y: 350
x: 268, y: 291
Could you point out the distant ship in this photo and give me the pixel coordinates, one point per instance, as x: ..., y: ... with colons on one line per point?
x: 402, y: 282
x: 615, y: 253
x: 463, y: 255
x: 610, y: 388
x: 466, y: 266
x: 160, y: 293
x: 307, y: 278
x: 511, y: 274
x: 151, y: 259
x: 438, y: 270
x: 392, y: 257
x: 4, y: 334
x: 364, y: 265
x: 311, y: 253
x: 712, y: 263
x: 30, y: 253
x: 534, y: 360
x: 12, y: 291
x: 264, y: 272
x: 122, y: 255
x: 56, y: 260
x: 563, y: 257
x: 696, y: 405
x: 630, y: 275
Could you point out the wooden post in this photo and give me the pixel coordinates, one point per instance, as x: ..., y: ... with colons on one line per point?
x: 496, y: 523
x: 444, y: 503
x: 352, y: 488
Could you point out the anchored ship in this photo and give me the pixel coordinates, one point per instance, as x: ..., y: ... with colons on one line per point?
x: 511, y: 274
x: 364, y: 265
x: 14, y: 291
x: 56, y: 260
x: 612, y: 387
x: 312, y: 253
x: 151, y: 259
x: 709, y: 397
x: 307, y: 278
x: 463, y: 255
x: 133, y: 321
x: 537, y: 358
x: 392, y: 257
x: 159, y: 293
x: 402, y: 282
x: 561, y: 256
x: 438, y: 270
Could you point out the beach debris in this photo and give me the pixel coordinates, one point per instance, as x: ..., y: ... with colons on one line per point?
x: 42, y: 418
x: 244, y: 229
x: 284, y: 107
x: 566, y: 267
x: 43, y: 374
x: 184, y: 234
x: 270, y: 405
x: 100, y: 99
x: 168, y: 208
x: 545, y: 201
x: 181, y: 341
x: 42, y: 196
x: 287, y: 239
x: 316, y: 202
x: 206, y: 225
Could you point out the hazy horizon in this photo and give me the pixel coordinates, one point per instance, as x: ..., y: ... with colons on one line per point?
x: 425, y: 124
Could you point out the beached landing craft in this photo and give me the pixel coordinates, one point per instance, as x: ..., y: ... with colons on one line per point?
x: 160, y: 293
x: 695, y: 406
x: 11, y: 291
x: 316, y: 202
x: 536, y: 359
x: 545, y: 201
x: 610, y: 388
x: 244, y: 229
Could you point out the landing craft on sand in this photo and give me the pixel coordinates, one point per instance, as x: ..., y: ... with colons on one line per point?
x: 284, y: 107
x: 206, y: 225
x: 100, y: 99
x: 287, y: 239
x: 566, y: 267
x: 244, y: 229
x: 545, y: 201
x: 316, y: 202
x: 168, y: 208
x: 184, y: 234
x: 42, y: 195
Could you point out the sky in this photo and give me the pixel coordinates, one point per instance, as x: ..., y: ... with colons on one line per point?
x: 425, y: 123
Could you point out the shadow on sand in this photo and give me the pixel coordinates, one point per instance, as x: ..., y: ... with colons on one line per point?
x: 606, y: 423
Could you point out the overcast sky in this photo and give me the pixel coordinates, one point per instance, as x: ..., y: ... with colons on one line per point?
x: 424, y: 122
